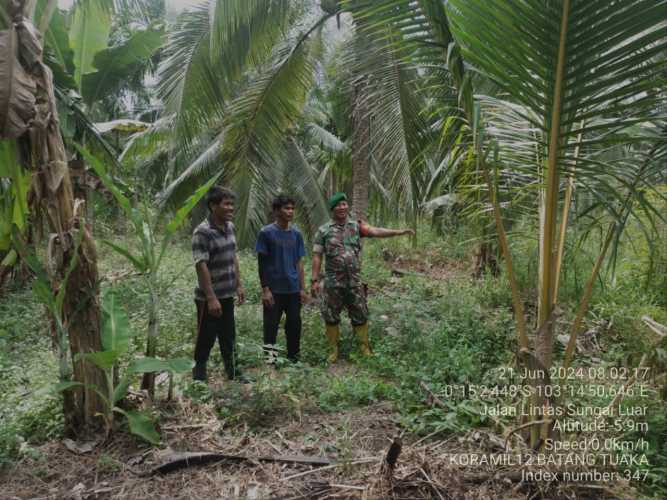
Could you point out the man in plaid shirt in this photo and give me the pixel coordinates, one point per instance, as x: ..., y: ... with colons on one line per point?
x: 217, y: 265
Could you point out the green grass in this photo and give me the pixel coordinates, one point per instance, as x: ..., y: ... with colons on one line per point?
x: 29, y: 412
x: 424, y: 329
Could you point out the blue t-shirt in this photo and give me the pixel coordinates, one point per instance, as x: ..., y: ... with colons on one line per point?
x: 284, y: 249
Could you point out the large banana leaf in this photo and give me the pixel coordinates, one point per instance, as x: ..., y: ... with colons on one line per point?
x: 88, y: 35
x: 14, y: 186
x: 115, y: 65
x: 115, y: 325
x: 58, y: 54
x: 142, y: 425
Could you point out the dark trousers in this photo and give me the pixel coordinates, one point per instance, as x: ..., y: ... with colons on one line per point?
x: 223, y: 328
x: 290, y: 304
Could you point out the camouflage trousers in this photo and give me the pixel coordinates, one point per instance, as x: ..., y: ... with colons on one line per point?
x: 352, y: 298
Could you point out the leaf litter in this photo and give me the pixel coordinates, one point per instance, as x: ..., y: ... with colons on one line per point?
x: 355, y: 444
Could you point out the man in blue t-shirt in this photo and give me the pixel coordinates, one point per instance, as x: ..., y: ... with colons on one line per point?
x: 280, y: 250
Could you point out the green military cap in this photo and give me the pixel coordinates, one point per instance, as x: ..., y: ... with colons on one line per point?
x: 336, y: 199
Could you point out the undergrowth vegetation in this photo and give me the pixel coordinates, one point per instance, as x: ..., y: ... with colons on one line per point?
x: 432, y: 327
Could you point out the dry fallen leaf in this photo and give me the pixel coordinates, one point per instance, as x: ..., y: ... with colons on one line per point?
x: 79, y: 448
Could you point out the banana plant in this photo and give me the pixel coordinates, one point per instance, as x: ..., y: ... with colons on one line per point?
x: 116, y: 336
x: 14, y: 186
x: 151, y: 248
x: 115, y: 343
x: 53, y: 300
x: 115, y: 339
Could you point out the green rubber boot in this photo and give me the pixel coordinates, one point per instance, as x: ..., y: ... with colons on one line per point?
x: 333, y: 334
x: 362, y: 338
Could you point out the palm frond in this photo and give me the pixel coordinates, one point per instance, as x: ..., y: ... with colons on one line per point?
x: 269, y: 106
x: 203, y: 166
x: 322, y: 137
x: 145, y: 144
x: 250, y: 28
x: 75, y: 109
x: 604, y: 70
x: 413, y: 39
x: 301, y: 180
x: 192, y: 88
x: 208, y: 53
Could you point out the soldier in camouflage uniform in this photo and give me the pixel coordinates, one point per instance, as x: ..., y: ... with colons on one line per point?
x: 339, y: 241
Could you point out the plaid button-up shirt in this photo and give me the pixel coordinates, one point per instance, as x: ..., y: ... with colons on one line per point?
x: 217, y: 248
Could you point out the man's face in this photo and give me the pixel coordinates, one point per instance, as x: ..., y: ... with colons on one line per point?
x: 286, y: 212
x: 341, y: 210
x: 224, y: 210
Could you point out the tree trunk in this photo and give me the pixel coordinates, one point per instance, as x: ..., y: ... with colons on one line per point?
x: 53, y: 190
x: 544, y: 341
x: 485, y: 260
x: 361, y: 158
x: 148, y: 380
x: 7, y: 264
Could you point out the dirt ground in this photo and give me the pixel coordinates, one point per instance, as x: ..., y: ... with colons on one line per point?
x: 429, y: 264
x: 356, y: 443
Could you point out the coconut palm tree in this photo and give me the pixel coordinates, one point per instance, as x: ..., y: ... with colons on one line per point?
x: 234, y: 81
x: 579, y: 69
x: 574, y: 79
x: 235, y: 88
x: 600, y: 93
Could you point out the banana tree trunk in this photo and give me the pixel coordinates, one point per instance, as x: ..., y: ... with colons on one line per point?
x: 7, y: 263
x: 31, y: 117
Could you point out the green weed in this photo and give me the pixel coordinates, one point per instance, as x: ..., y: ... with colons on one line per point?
x: 424, y: 330
x: 265, y: 401
x: 106, y: 464
x: 352, y: 391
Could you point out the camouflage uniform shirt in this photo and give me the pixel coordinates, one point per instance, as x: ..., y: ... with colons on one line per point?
x: 341, y: 246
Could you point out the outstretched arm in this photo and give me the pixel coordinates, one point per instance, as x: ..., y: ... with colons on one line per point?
x: 382, y: 232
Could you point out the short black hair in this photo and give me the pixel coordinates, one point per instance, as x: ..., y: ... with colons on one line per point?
x: 216, y: 194
x: 281, y: 200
